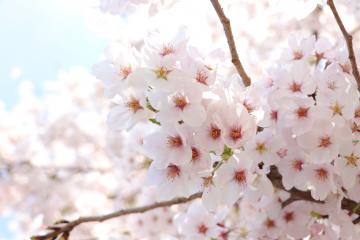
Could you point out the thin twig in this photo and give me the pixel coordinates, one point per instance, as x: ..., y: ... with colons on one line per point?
x: 230, y: 40
x: 9, y: 167
x: 356, y: 220
x: 348, y: 38
x: 67, y: 227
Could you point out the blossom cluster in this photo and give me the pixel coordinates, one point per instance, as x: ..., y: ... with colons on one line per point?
x: 215, y: 136
x: 56, y: 154
x: 182, y: 122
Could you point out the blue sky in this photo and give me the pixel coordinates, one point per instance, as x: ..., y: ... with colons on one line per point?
x: 41, y: 37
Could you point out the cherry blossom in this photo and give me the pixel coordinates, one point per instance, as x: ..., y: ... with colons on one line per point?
x: 168, y: 146
x: 274, y: 159
x: 198, y: 223
x: 234, y: 177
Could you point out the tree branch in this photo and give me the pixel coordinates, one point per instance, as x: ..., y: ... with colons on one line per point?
x: 230, y: 40
x: 67, y: 227
x: 295, y: 194
x: 10, y: 167
x: 348, y: 38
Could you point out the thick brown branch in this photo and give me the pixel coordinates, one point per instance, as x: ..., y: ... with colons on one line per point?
x: 348, y: 38
x: 230, y: 40
x: 356, y: 220
x: 68, y: 226
x: 295, y: 194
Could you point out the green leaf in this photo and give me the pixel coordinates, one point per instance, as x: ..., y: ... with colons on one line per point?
x: 147, y: 162
x: 356, y: 208
x: 154, y: 121
x: 316, y: 215
x: 150, y: 107
x: 227, y: 153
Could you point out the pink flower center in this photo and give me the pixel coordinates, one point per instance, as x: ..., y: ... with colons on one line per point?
x: 302, y: 112
x: 125, y: 71
x: 325, y: 141
x: 295, y: 87
x: 269, y: 223
x: 288, y: 216
x: 201, y: 77
x: 282, y: 152
x: 357, y: 113
x: 173, y: 171
x: 180, y: 101
x: 355, y: 127
x: 224, y: 234
x: 207, y: 181
x: 240, y: 177
x: 155, y: 218
x: 214, y: 131
x: 235, y: 133
x: 175, y: 142
x: 346, y: 68
x: 195, y: 154
x: 134, y: 105
x: 319, y: 56
x: 297, y: 165
x: 167, y: 50
x: 332, y: 85
x: 269, y: 82
x: 202, y: 229
x: 297, y: 55
x: 274, y: 115
x: 321, y: 173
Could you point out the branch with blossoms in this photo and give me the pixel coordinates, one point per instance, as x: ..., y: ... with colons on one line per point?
x: 297, y: 195
x: 63, y: 228
x: 349, y: 42
x: 177, y: 155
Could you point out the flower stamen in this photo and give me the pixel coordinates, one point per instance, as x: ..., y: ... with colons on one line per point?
x: 214, y: 131
x: 175, y: 142
x: 240, y: 177
x: 173, y: 171
x: 125, y: 71
x: 201, y: 77
x: 235, y: 133
x: 134, y: 105
x: 352, y: 160
x: 324, y: 141
x: 162, y: 73
x: 322, y: 174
